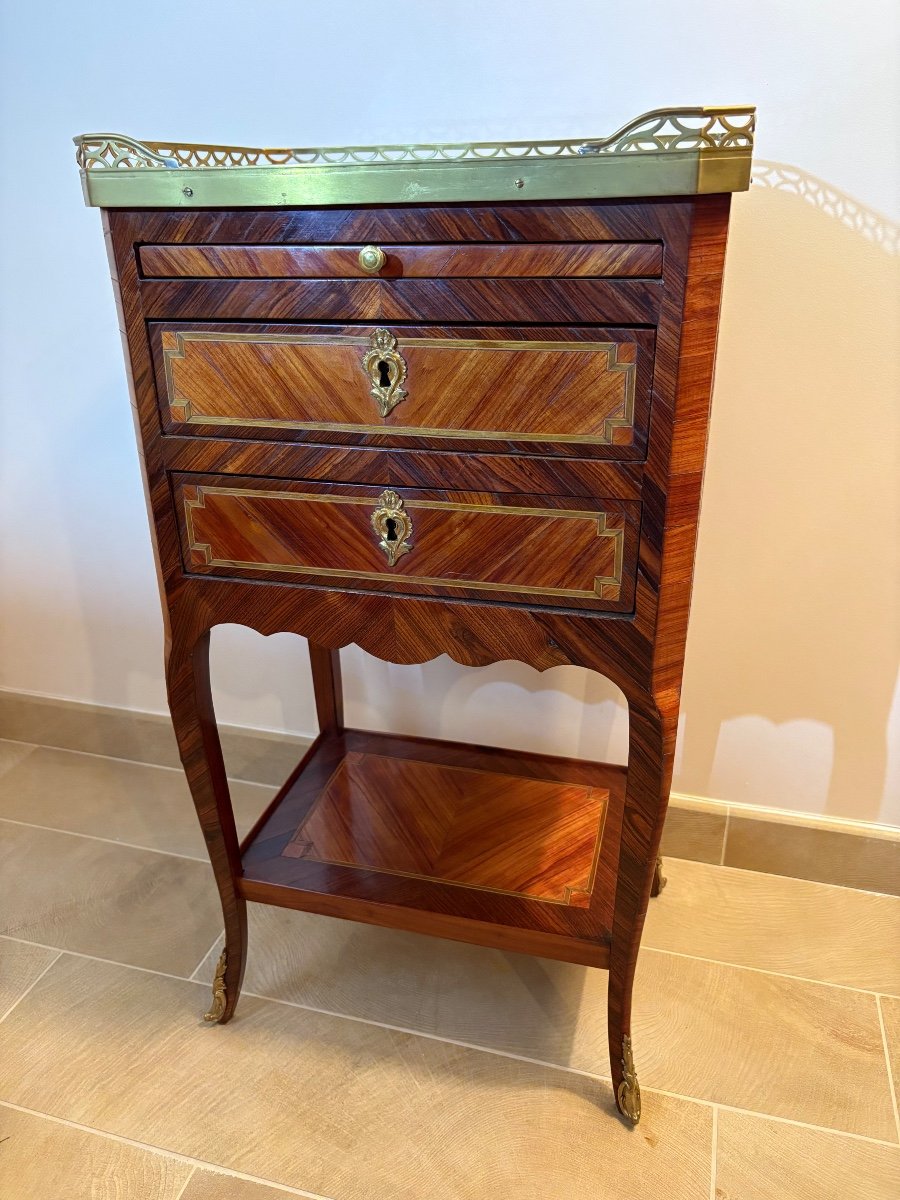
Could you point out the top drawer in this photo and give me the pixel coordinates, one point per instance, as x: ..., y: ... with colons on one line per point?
x: 542, y: 260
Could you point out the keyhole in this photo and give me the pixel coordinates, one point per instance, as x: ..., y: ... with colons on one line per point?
x: 384, y: 376
x: 391, y: 529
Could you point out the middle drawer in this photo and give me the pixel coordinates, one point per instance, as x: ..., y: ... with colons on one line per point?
x: 564, y: 390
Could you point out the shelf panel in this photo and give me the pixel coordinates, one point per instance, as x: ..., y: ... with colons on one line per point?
x: 489, y: 846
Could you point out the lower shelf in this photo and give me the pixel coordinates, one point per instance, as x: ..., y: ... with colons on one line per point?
x: 504, y: 849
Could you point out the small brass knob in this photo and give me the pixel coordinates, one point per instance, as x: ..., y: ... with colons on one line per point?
x: 372, y: 259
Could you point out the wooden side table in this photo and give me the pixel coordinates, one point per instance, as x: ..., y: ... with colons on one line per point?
x: 432, y: 400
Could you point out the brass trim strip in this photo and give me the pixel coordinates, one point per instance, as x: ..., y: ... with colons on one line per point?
x: 611, y: 582
x: 675, y: 151
x: 610, y: 349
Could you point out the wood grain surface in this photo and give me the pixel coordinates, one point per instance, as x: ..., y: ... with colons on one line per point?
x: 394, y: 830
x: 452, y: 824
x: 461, y: 544
x: 620, y: 260
x: 478, y: 385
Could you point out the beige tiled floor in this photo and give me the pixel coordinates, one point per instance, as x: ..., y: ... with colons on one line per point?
x: 367, y: 1064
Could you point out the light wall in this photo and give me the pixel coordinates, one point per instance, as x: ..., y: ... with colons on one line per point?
x: 790, y: 693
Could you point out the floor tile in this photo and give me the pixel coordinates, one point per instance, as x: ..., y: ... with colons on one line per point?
x: 800, y: 1050
x: 123, y: 801
x: 43, y: 1160
x: 259, y: 756
x: 20, y: 966
x: 207, y: 1185
x: 769, y: 1160
x: 329, y: 1105
x: 778, y: 1046
x: 97, y: 728
x: 12, y: 753
x: 133, y: 906
x: 253, y: 754
x: 793, y: 926
x: 551, y: 1011
x: 695, y: 833
x: 827, y: 855
x: 890, y: 1011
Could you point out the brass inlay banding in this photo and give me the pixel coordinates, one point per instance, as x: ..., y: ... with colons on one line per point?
x: 607, y: 587
x: 186, y: 413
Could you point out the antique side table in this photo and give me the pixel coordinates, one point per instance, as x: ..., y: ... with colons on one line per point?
x: 432, y: 400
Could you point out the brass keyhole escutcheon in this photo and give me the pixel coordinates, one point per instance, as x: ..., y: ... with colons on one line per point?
x: 392, y: 525
x: 386, y: 369
x: 372, y: 259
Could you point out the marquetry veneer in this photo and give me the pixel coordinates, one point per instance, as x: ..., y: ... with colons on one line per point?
x: 473, y: 425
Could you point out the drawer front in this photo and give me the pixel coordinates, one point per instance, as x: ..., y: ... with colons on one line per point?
x: 587, y: 260
x: 540, y: 551
x: 524, y: 388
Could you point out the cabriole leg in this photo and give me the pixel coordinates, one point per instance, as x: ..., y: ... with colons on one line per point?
x: 190, y: 701
x: 650, y: 751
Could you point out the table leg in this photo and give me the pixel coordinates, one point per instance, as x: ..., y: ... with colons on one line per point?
x: 328, y: 688
x: 650, y: 757
x: 190, y: 701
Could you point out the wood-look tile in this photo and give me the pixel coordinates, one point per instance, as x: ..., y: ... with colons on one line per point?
x: 890, y: 1011
x: 759, y: 1159
x: 12, y: 753
x: 258, y: 756
x: 805, y: 1051
x: 209, y: 1185
x: 43, y: 1160
x: 133, y: 906
x: 505, y: 1001
x: 124, y: 801
x: 95, y: 728
x: 695, y: 833
x: 339, y: 1108
x: 800, y: 1050
x: 20, y: 966
x: 805, y: 852
x: 785, y: 925
x: 250, y: 754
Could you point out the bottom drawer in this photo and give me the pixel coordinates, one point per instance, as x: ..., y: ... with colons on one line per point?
x: 535, y: 550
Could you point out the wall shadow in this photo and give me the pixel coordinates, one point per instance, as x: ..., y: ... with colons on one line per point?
x: 794, y: 644
x: 796, y: 612
x: 566, y: 710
